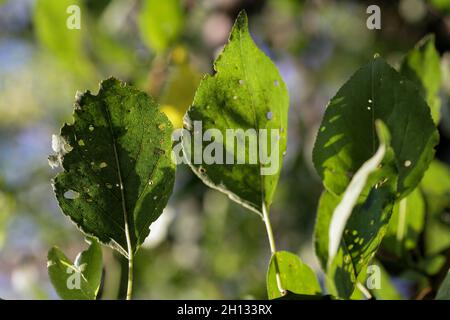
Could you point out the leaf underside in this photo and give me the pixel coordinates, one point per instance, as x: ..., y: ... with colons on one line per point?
x: 118, y: 171
x: 79, y: 280
x: 246, y: 92
x: 296, y: 277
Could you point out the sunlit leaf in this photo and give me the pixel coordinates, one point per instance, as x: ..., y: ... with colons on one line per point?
x: 79, y: 280
x: 245, y: 93
x: 296, y: 277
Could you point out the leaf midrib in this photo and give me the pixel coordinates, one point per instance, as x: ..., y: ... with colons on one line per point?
x: 121, y: 186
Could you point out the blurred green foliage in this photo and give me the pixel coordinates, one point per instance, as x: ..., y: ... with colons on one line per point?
x: 204, y: 246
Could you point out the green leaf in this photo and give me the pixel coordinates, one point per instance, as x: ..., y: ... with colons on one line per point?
x: 444, y: 290
x: 344, y: 209
x: 296, y: 277
x: 350, y: 227
x: 79, y: 280
x: 50, y: 24
x: 436, y: 190
x: 442, y: 5
x: 245, y: 93
x: 347, y: 136
x: 118, y: 173
x: 431, y: 265
x: 422, y: 65
x: 327, y: 203
x: 160, y: 23
x: 387, y: 290
x: 407, y: 223
x: 7, y: 208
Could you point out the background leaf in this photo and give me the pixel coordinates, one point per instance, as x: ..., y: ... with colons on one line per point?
x: 246, y: 92
x: 87, y: 266
x: 67, y: 45
x: 406, y: 224
x: 118, y: 167
x: 160, y: 23
x: 296, y: 276
x: 436, y: 189
x: 444, y: 290
x: 422, y: 65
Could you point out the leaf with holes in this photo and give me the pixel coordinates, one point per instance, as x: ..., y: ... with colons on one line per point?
x: 346, y: 140
x: 118, y: 173
x: 347, y: 135
x: 355, y: 222
x: 344, y: 209
x: 79, y: 280
x: 296, y: 277
x: 244, y: 96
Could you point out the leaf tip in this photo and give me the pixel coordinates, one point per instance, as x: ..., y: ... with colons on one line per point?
x: 241, y: 22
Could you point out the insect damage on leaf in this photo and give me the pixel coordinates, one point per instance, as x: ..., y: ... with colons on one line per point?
x: 376, y: 91
x: 246, y: 94
x: 112, y: 150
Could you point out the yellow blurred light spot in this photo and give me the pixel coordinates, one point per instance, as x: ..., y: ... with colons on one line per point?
x: 179, y: 55
x: 173, y: 114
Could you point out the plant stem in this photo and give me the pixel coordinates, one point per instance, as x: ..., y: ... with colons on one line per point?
x: 273, y: 248
x: 130, y: 277
x: 363, y: 290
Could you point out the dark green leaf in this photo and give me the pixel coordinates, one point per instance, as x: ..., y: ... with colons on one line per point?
x: 79, y: 280
x: 246, y: 92
x: 118, y: 172
x: 343, y: 210
x: 347, y: 136
x: 367, y: 203
x: 296, y: 277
